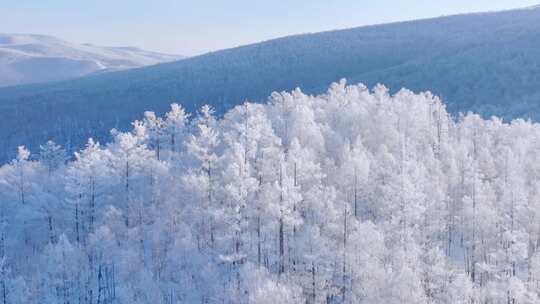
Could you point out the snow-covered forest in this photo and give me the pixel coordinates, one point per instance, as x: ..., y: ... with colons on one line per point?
x: 352, y: 196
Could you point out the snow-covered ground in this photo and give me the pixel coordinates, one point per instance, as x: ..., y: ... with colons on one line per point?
x: 26, y: 58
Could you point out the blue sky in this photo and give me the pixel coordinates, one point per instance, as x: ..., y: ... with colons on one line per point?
x: 198, y: 26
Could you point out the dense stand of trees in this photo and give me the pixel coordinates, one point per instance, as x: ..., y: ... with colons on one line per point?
x: 353, y: 196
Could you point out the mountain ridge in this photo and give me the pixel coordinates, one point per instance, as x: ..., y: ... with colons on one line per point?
x: 35, y: 58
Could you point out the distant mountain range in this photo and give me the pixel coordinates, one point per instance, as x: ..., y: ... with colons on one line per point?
x: 26, y: 58
x: 487, y: 63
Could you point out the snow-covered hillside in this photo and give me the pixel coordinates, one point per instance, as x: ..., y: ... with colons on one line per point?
x: 350, y: 197
x: 488, y: 63
x: 28, y: 58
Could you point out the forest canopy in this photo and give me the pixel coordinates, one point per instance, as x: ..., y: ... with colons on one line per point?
x: 351, y: 196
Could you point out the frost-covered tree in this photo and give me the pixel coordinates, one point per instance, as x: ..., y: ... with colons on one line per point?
x: 351, y: 196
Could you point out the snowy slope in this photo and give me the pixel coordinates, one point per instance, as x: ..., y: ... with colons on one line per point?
x: 487, y: 62
x: 28, y: 58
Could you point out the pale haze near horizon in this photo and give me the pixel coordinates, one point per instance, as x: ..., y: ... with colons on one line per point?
x: 196, y: 27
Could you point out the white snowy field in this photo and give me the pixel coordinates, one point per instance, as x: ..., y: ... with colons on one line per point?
x: 26, y: 58
x: 351, y: 196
